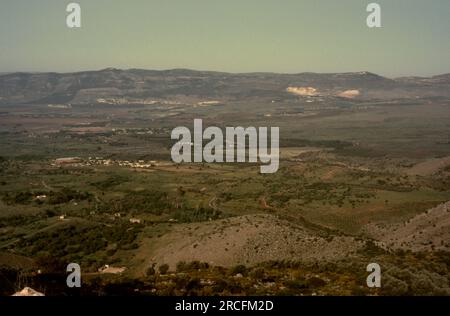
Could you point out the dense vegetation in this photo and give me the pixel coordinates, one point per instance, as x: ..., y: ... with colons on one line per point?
x: 403, y: 275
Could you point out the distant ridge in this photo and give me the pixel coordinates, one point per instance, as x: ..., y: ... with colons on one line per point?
x: 187, y: 70
x: 86, y: 87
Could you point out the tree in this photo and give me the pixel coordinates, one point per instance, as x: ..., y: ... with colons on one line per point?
x: 164, y: 268
x: 151, y: 270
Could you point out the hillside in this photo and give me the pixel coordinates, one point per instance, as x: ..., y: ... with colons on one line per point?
x: 427, y: 231
x: 249, y: 240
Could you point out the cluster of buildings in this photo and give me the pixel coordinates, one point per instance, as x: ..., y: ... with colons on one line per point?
x: 98, y: 161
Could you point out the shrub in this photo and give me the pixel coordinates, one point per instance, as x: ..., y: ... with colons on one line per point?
x: 193, y: 284
x: 110, y: 252
x: 50, y: 213
x: 150, y: 271
x: 239, y: 269
x: 164, y: 268
x: 297, y: 284
x: 315, y: 282
x: 181, y: 266
x: 197, y: 265
x: 258, y: 273
x: 394, y: 286
x: 220, y: 286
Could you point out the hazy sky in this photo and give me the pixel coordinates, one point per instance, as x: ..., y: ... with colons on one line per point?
x: 227, y: 35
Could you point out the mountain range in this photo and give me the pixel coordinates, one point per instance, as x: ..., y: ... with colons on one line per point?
x: 89, y: 86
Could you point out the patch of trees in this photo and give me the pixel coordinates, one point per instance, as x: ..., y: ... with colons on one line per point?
x: 158, y: 203
x: 329, y: 193
x: 110, y: 182
x: 189, y: 215
x: 154, y: 202
x: 19, y: 220
x: 74, y: 242
x: 53, y: 197
x: 337, y: 144
x: 403, y: 274
x: 22, y: 197
x: 66, y: 195
x: 407, y: 281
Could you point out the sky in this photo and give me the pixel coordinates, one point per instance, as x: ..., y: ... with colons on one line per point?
x: 287, y: 36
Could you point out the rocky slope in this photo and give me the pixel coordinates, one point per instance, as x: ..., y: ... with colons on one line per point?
x: 245, y: 240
